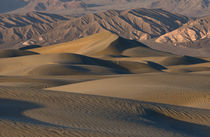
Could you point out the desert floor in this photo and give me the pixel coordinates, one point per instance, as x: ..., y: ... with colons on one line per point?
x: 86, y: 92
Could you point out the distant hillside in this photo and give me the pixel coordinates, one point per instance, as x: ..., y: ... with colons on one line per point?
x: 192, y: 31
x: 185, y: 7
x: 11, y: 5
x: 39, y: 5
x: 46, y: 29
x: 18, y: 29
x: 52, y: 5
x: 81, y: 7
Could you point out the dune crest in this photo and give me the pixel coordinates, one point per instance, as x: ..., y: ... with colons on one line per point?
x: 102, y: 44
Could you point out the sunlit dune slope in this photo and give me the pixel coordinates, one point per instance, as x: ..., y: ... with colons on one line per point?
x: 102, y: 44
x: 70, y: 64
x: 176, y: 89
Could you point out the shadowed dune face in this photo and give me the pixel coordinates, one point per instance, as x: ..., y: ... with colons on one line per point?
x: 70, y: 58
x: 156, y: 65
x: 14, y: 107
x: 190, y: 69
x: 12, y: 110
x: 184, y: 60
x: 15, y: 53
x: 30, y: 47
x: 170, y: 122
x: 58, y: 70
x: 136, y: 67
x: 61, y: 69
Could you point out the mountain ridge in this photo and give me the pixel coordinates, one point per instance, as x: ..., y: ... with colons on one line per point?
x: 137, y: 24
x: 190, y: 32
x: 81, y: 7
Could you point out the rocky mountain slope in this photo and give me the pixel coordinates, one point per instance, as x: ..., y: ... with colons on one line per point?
x: 192, y: 31
x: 16, y: 28
x: 79, y: 7
x: 45, y: 29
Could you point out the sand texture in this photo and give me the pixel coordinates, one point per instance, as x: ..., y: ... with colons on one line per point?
x: 103, y: 86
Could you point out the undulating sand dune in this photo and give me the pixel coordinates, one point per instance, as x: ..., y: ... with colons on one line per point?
x: 102, y: 44
x: 175, y: 89
x: 71, y: 64
x: 203, y: 68
x: 183, y: 60
x: 36, y: 112
x: 103, y: 86
x: 58, y: 64
x: 172, y: 63
x: 143, y: 52
x: 194, y: 68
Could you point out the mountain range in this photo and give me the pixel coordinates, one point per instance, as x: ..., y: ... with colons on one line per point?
x: 81, y: 7
x: 36, y: 22
x: 46, y: 29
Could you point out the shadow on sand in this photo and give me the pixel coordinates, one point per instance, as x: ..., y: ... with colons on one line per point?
x: 172, y: 124
x: 12, y: 110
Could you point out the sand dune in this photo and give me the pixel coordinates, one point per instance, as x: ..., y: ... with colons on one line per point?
x: 103, y: 86
x: 183, y: 60
x: 143, y: 52
x: 58, y: 64
x: 102, y: 44
x: 137, y: 67
x: 68, y: 114
x: 175, y: 89
x: 190, y: 69
x: 71, y: 64
x: 174, y: 64
x: 55, y: 69
x: 153, y: 104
